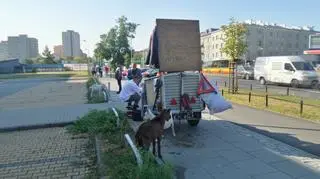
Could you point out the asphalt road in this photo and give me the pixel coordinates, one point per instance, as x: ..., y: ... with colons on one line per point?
x: 281, y: 90
x: 9, y: 87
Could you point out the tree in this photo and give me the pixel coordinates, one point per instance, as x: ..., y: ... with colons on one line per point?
x: 29, y: 61
x: 234, y: 46
x: 114, y: 45
x: 48, y: 58
x: 137, y: 57
x: 81, y: 59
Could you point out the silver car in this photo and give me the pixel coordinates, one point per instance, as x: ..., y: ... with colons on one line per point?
x: 245, y: 72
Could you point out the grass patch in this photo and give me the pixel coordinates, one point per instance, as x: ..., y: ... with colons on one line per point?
x: 96, y: 97
x: 290, y: 98
x: 117, y: 156
x: 276, y: 104
x: 45, y: 75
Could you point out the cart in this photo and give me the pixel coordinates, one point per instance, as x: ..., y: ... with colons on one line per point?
x: 175, y: 50
x: 169, y: 95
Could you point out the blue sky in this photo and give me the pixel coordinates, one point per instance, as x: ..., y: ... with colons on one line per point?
x: 46, y: 19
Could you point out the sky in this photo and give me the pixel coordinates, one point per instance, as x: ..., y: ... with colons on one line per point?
x: 47, y: 19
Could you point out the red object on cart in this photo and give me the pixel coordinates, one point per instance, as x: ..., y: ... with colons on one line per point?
x: 205, y: 86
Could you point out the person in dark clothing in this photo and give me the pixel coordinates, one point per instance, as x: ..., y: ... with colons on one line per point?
x: 93, y: 71
x: 100, y: 71
x: 118, y: 76
x: 134, y: 72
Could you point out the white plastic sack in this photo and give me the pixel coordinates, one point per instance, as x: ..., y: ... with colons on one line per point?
x: 215, y: 101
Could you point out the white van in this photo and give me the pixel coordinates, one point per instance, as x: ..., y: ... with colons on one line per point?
x: 293, y: 70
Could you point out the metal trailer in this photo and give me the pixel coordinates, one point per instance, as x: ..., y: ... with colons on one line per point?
x: 174, y: 85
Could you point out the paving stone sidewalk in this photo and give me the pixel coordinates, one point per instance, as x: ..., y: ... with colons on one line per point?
x: 43, y: 153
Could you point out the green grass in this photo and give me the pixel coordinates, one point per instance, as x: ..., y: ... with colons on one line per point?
x: 45, y: 74
x: 117, y: 156
x: 286, y: 105
x: 290, y: 98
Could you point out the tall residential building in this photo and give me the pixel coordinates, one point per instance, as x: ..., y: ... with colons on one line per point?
x: 33, y: 47
x: 22, y: 47
x: 4, y: 55
x: 58, y: 51
x: 71, y: 44
x: 263, y: 39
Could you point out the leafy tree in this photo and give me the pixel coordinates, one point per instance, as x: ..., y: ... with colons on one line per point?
x: 114, y: 45
x: 137, y: 57
x: 48, y: 57
x: 234, y: 46
x: 29, y: 61
x: 127, y: 60
x: 81, y: 59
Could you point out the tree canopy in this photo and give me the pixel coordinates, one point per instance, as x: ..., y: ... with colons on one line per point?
x: 48, y: 57
x: 114, y: 45
x: 234, y: 44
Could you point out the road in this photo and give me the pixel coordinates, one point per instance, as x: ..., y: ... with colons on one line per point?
x: 281, y: 90
x: 9, y: 87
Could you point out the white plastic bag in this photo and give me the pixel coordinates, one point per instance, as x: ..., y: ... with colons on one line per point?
x: 215, y: 101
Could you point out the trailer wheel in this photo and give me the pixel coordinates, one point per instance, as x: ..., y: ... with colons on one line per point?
x: 193, y: 122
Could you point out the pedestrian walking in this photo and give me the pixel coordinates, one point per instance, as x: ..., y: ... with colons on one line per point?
x: 93, y: 71
x: 118, y: 76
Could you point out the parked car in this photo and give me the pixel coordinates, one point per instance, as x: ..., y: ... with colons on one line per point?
x: 245, y: 72
x: 150, y: 72
x: 292, y: 70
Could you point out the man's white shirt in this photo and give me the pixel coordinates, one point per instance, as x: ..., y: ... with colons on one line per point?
x: 129, y: 88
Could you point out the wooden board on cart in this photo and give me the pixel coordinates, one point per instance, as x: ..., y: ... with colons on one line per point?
x: 179, y: 45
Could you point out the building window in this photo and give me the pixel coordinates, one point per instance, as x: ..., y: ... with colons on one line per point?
x: 259, y: 43
x: 297, y: 45
x: 213, y: 55
x: 217, y: 46
x: 220, y: 54
x: 213, y: 46
x: 217, y: 54
x: 221, y: 45
x: 297, y: 36
x: 271, y: 34
x: 216, y: 37
x: 305, y: 46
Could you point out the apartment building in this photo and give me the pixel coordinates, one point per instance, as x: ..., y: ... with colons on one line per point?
x: 71, y: 44
x: 4, y: 55
x: 20, y: 47
x: 263, y: 39
x: 58, y: 51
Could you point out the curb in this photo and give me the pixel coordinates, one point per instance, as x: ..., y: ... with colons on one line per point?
x: 37, y: 126
x: 100, y: 166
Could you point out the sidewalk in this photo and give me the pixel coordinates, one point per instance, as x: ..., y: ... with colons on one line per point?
x: 299, y: 133
x: 218, y: 149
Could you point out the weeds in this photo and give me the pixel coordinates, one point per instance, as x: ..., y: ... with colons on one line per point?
x: 96, y: 97
x: 117, y: 156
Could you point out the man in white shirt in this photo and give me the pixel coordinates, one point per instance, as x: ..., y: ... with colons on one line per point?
x: 131, y: 92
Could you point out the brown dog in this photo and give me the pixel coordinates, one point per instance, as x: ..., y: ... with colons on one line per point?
x: 151, y: 130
